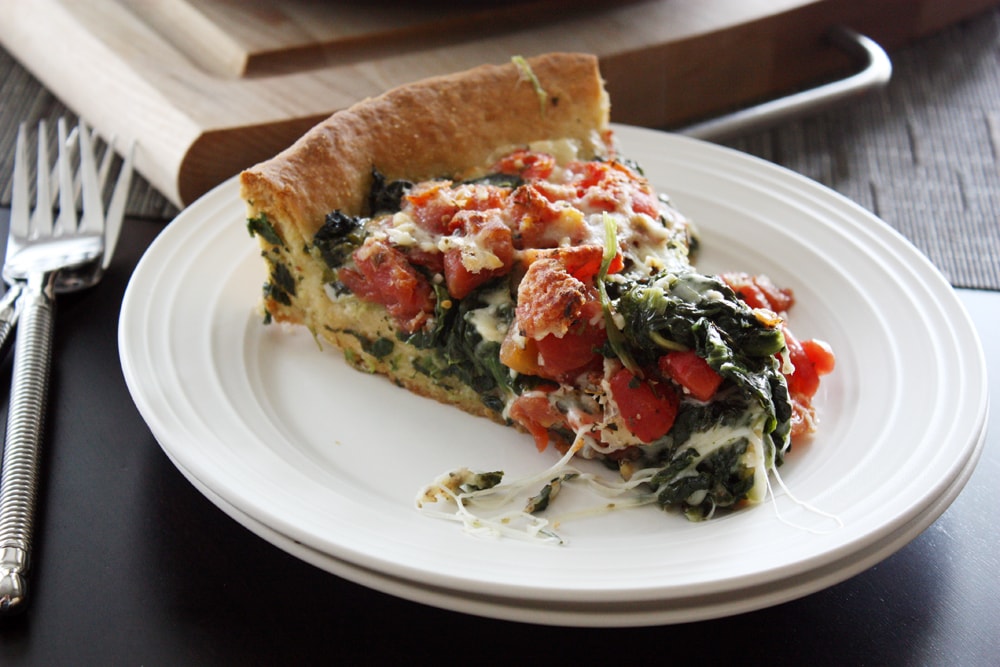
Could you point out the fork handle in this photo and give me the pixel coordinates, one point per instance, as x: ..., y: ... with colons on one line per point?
x: 25, y: 420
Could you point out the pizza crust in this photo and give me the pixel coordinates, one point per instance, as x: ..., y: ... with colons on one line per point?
x: 448, y: 126
x: 439, y: 127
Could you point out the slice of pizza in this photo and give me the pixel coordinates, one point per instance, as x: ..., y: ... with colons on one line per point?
x: 478, y: 239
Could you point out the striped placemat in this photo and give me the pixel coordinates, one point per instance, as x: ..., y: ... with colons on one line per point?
x: 921, y: 154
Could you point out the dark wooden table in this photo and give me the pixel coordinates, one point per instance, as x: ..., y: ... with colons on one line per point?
x: 135, y: 567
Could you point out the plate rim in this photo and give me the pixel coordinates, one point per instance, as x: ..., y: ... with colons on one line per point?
x: 632, y: 134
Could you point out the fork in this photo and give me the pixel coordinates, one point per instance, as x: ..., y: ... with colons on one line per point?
x: 44, y: 257
x: 9, y: 310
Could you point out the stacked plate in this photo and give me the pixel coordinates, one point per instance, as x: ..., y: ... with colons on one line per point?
x: 326, y: 462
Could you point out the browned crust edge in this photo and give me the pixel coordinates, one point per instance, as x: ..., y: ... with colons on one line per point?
x: 432, y: 128
x: 440, y: 127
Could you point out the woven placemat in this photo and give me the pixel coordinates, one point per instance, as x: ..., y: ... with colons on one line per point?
x: 922, y: 154
x: 23, y: 98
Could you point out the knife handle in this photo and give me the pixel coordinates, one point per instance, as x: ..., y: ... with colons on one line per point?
x: 22, y: 443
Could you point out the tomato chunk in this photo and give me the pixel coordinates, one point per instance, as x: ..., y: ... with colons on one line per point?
x: 383, y: 275
x: 759, y: 291
x: 612, y: 186
x: 431, y: 206
x: 537, y: 415
x: 541, y: 223
x: 803, y: 380
x: 820, y: 354
x: 691, y: 372
x: 578, y: 350
x: 648, y: 409
x: 527, y: 164
x: 485, y: 252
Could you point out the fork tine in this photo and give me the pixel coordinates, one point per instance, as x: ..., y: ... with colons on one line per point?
x: 116, y: 208
x: 71, y: 146
x: 20, y: 215
x: 66, y: 221
x: 93, y: 208
x: 105, y: 167
x: 41, y: 221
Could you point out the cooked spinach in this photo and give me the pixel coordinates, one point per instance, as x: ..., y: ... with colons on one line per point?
x: 720, y: 476
x: 386, y: 196
x: 379, y: 348
x: 694, y: 311
x: 280, y: 285
x: 511, y: 181
x: 339, y: 236
x: 261, y: 226
x: 457, y: 350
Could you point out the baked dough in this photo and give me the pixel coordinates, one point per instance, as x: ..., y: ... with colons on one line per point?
x: 525, y: 272
x: 450, y: 126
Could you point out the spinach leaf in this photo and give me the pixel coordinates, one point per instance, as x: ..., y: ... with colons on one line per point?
x: 339, y: 236
x: 694, y: 311
x: 511, y: 181
x: 280, y: 285
x: 386, y: 196
x: 457, y: 350
x: 721, y: 477
x: 261, y: 226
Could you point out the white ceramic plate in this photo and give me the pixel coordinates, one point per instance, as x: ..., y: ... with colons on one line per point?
x: 325, y: 462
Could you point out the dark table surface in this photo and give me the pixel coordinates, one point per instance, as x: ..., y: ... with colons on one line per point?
x: 133, y: 566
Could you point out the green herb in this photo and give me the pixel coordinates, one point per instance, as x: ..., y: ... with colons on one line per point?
x: 261, y: 226
x: 512, y: 181
x: 282, y: 277
x: 272, y: 291
x: 386, y: 196
x: 528, y: 74
x: 379, y: 348
x: 480, y: 481
x: 281, y: 283
x: 616, y: 340
x: 457, y: 350
x: 339, y: 236
x: 540, y: 502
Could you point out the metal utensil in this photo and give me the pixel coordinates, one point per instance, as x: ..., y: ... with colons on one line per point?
x: 9, y: 306
x: 43, y: 257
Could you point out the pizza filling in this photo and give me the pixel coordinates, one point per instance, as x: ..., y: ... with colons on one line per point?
x: 561, y: 291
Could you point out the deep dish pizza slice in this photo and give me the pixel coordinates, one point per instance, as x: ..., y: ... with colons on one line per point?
x: 478, y: 239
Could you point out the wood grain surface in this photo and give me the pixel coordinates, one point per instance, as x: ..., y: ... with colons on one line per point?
x: 209, y: 87
x: 922, y: 153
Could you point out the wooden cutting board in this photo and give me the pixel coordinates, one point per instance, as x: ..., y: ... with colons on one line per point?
x: 208, y: 87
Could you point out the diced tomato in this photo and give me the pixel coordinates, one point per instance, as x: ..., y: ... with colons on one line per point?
x: 759, y: 291
x: 430, y: 206
x: 541, y: 223
x: 491, y: 236
x: 691, y: 372
x: 549, y: 299
x: 432, y: 260
x: 606, y: 186
x: 649, y: 409
x: 582, y: 262
x: 537, y: 415
x: 527, y: 164
x: 382, y: 275
x: 820, y: 354
x: 576, y: 351
x: 559, y: 326
x: 804, y: 380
